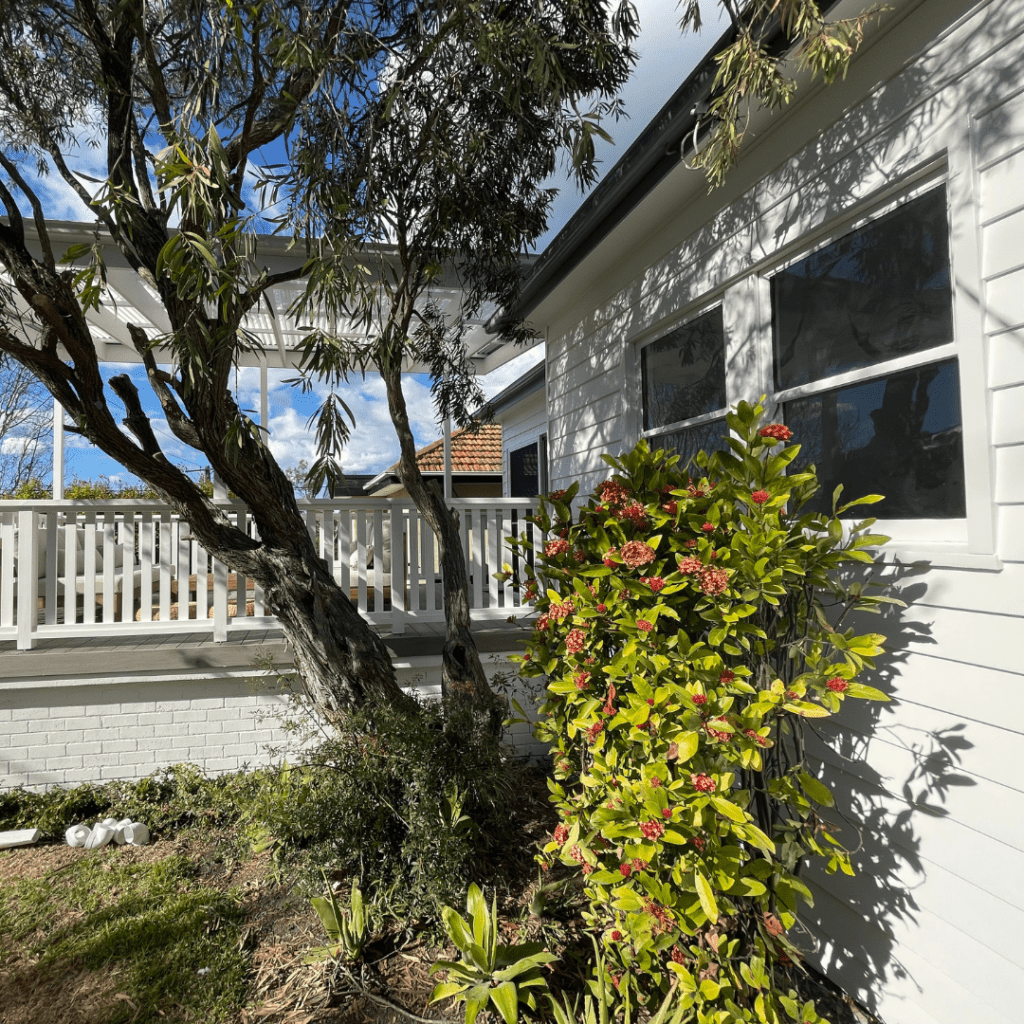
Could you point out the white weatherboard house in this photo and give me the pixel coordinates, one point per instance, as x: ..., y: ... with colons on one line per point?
x: 863, y: 267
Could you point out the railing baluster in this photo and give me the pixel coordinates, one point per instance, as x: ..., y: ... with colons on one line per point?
x: 398, y: 564
x: 168, y: 551
x: 69, y: 577
x: 28, y: 574
x: 145, y: 612
x: 7, y: 584
x: 52, y: 568
x: 361, y: 559
x: 89, y: 590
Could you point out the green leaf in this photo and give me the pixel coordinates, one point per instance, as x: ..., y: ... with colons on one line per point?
x: 728, y: 808
x: 865, y: 692
x: 688, y: 743
x: 816, y: 790
x: 706, y: 897
x: 805, y: 709
x: 506, y: 1000
x: 446, y: 990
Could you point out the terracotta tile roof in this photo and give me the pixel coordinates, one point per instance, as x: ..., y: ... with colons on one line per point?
x: 473, y: 451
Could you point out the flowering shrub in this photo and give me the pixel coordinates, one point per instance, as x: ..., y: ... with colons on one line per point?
x: 695, y: 645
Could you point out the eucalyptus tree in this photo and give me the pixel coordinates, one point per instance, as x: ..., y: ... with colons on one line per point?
x: 418, y: 109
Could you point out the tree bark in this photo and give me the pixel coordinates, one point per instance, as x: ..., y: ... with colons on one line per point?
x: 463, y: 681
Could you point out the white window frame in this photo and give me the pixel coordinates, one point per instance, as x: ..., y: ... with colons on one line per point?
x: 968, y: 542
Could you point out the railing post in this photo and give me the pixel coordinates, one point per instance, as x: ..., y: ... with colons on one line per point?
x: 28, y: 572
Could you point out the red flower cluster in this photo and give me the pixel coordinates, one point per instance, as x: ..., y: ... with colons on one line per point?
x: 652, y: 829
x: 776, y: 432
x: 655, y: 782
x: 581, y: 679
x: 560, y: 611
x: 637, y: 553
x: 554, y: 548
x: 837, y: 685
x: 690, y: 564
x: 577, y: 854
x: 561, y: 833
x: 609, y: 557
x: 616, y: 935
x: 700, y: 698
x: 671, y: 507
x: 586, y: 868
x: 698, y: 842
x: 638, y: 864
x: 703, y: 783
x: 575, y: 641
x: 727, y: 676
x: 696, y: 492
x: 633, y: 513
x: 625, y: 870
x: 609, y: 707
x: 722, y: 735
x: 760, y: 497
x: 708, y: 527
x: 756, y: 737
x: 556, y: 495
x: 594, y: 731
x: 677, y: 955
x: 666, y: 812
x: 644, y: 626
x: 543, y: 622
x: 656, y: 583
x: 612, y: 493
x: 691, y: 543
x: 713, y: 581
x: 602, y: 608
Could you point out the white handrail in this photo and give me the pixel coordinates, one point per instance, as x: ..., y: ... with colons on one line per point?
x: 125, y: 566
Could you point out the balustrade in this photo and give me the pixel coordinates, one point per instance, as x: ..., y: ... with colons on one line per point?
x: 74, y: 568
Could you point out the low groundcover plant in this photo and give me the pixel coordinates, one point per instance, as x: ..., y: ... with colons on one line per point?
x: 683, y: 628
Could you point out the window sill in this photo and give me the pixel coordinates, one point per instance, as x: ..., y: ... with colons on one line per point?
x: 950, y: 556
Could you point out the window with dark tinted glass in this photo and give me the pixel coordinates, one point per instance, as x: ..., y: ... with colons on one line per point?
x: 524, y: 477
x: 688, y: 441
x: 684, y: 372
x: 880, y: 292
x: 898, y: 435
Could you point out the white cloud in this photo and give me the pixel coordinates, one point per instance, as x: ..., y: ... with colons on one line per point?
x: 499, y: 379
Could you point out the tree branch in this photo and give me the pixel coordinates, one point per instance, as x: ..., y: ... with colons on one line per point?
x: 181, y: 426
x: 136, y: 420
x: 37, y: 210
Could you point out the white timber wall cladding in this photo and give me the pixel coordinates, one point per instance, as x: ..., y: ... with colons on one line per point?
x: 56, y: 733
x: 931, y: 929
x: 520, y: 426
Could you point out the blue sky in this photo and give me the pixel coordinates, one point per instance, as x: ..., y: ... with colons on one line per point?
x: 666, y: 58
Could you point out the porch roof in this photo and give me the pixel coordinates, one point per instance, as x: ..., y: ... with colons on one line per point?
x: 130, y: 299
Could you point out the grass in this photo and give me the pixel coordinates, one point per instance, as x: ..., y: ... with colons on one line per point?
x: 170, y: 939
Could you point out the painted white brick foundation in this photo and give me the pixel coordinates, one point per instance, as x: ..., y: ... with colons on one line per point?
x: 63, y: 734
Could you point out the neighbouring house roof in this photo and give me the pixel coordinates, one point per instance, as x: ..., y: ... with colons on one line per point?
x: 475, y: 450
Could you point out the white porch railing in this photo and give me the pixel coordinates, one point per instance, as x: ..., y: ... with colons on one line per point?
x: 78, y: 568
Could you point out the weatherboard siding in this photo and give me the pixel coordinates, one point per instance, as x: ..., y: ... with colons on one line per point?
x: 521, y: 424
x: 932, y: 928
